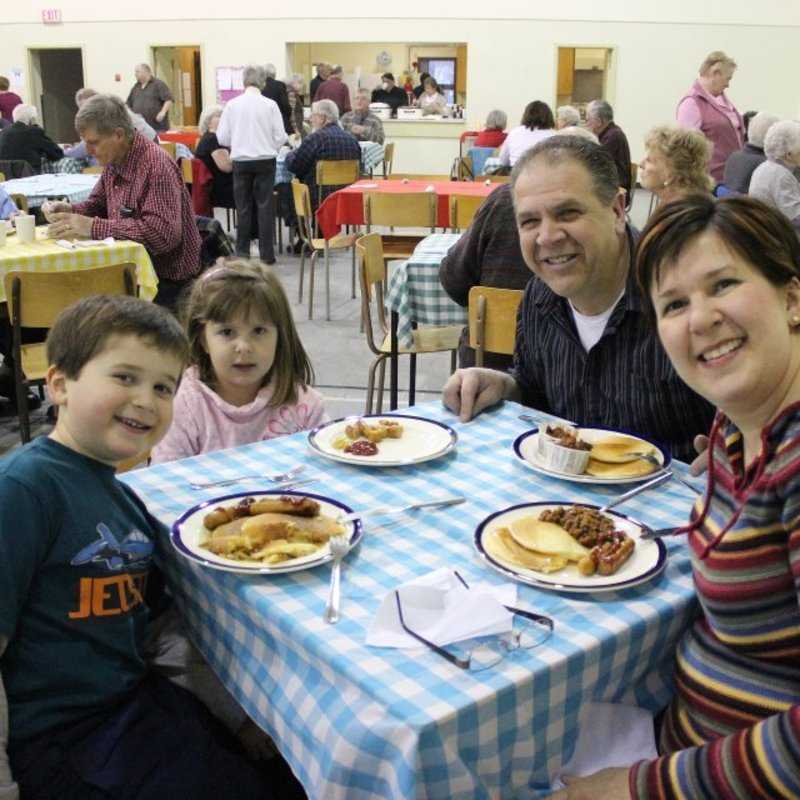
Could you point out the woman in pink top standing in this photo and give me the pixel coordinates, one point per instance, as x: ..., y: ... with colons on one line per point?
x: 707, y: 108
x: 250, y: 377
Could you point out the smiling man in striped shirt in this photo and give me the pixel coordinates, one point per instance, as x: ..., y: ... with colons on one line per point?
x: 585, y: 349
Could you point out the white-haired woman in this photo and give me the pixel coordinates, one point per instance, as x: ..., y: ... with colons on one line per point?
x: 567, y: 117
x: 773, y: 181
x: 24, y: 140
x: 216, y: 158
x: 493, y: 134
x: 740, y: 165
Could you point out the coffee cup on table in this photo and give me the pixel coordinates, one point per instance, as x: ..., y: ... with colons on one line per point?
x: 26, y: 227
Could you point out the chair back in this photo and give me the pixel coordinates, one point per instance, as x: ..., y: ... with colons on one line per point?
x: 372, y: 275
x: 20, y: 201
x: 466, y: 141
x: 302, y: 210
x: 493, y: 320
x: 169, y: 147
x: 186, y: 170
x: 2, y: 177
x: 415, y: 176
x: 388, y: 158
x: 462, y: 209
x: 337, y: 173
x: 37, y: 298
x: 16, y: 168
x: 412, y: 210
x: 92, y: 170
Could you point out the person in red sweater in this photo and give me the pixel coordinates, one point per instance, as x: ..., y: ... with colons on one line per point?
x: 8, y: 100
x: 493, y: 134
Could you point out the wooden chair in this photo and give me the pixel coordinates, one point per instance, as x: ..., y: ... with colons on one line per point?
x: 634, y: 179
x: 426, y: 340
x: 92, y: 170
x: 169, y: 147
x: 21, y: 202
x: 35, y: 299
x: 388, y: 158
x: 2, y: 177
x: 493, y: 320
x: 302, y: 210
x: 492, y: 178
x: 186, y: 170
x: 335, y: 173
x: 403, y: 210
x: 415, y: 176
x: 463, y: 208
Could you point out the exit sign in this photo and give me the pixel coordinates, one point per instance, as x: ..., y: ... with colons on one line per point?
x: 51, y: 16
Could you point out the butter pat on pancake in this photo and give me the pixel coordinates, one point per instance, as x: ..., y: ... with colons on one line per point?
x: 319, y: 528
x: 500, y: 544
x: 546, y: 538
x: 630, y: 469
x: 619, y: 449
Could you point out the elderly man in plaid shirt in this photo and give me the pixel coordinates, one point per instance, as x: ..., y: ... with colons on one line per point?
x: 140, y: 196
x: 364, y: 125
x: 328, y: 142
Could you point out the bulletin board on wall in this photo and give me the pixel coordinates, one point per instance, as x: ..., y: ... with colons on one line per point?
x: 229, y: 83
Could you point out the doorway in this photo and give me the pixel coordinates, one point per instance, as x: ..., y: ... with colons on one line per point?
x: 584, y: 74
x: 179, y: 67
x: 56, y: 74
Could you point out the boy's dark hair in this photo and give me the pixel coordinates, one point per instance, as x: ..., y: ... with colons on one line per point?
x: 761, y: 235
x: 82, y: 330
x: 538, y: 115
x: 247, y: 286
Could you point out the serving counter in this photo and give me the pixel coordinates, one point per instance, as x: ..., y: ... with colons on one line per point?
x: 424, y: 145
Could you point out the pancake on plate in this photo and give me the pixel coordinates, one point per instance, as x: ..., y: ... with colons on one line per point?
x: 631, y: 469
x: 620, y: 449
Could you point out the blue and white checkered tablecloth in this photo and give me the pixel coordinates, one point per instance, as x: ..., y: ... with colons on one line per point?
x: 492, y: 164
x: 38, y: 188
x: 416, y: 293
x: 73, y: 166
x: 361, y: 723
x: 371, y: 157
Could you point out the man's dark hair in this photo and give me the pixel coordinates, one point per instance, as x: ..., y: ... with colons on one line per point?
x: 538, y: 115
x: 761, y: 235
x: 387, y: 76
x: 82, y: 330
x: 560, y: 149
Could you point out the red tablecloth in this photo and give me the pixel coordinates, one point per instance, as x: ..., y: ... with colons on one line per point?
x: 346, y: 207
x: 184, y: 137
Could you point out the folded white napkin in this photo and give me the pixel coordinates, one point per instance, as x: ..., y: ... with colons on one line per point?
x: 609, y: 735
x: 440, y: 609
x: 75, y: 244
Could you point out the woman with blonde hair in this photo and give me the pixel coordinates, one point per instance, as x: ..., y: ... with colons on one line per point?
x: 676, y: 163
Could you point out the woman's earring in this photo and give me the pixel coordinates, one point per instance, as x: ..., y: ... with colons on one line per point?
x: 795, y: 320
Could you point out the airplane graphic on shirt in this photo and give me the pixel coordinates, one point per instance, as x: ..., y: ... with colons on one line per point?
x: 133, y: 551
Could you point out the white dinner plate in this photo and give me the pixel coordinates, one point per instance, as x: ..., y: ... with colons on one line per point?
x: 188, y: 531
x: 422, y: 440
x: 647, y: 560
x: 526, y: 448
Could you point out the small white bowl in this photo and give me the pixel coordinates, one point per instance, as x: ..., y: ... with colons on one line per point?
x: 553, y: 455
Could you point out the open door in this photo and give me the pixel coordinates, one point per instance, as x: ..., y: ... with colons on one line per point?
x: 56, y: 74
x: 179, y: 68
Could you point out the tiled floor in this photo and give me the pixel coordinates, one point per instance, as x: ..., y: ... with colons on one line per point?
x: 337, y: 349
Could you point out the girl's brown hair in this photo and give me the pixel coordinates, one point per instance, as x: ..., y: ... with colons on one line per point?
x: 242, y: 286
x: 761, y: 235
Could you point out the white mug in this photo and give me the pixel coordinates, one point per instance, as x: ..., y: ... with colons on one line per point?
x: 26, y: 227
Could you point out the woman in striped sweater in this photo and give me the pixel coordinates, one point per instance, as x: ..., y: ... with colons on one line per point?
x: 724, y: 281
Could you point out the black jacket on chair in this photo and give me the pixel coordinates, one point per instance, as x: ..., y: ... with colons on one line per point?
x: 29, y: 143
x: 276, y: 90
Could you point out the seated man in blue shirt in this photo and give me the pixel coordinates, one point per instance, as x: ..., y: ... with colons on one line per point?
x: 585, y: 349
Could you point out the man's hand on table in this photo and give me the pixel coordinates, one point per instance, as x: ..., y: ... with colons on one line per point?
x: 469, y: 391
x: 69, y: 226
x: 608, y: 784
x: 51, y: 207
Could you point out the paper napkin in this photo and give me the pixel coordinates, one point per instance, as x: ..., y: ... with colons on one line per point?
x: 76, y: 244
x: 440, y: 609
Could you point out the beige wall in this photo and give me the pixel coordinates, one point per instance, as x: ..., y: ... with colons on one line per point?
x: 512, y: 56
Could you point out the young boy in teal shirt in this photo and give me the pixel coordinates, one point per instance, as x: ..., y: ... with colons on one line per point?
x: 86, y: 717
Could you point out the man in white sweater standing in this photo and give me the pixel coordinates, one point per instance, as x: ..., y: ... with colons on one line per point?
x: 252, y: 126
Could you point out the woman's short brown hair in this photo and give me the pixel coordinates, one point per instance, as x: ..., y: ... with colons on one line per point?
x: 4, y: 83
x: 761, y: 235
x: 538, y: 115
x: 687, y: 153
x: 242, y: 286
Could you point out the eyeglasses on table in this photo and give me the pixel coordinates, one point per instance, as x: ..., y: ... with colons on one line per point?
x: 489, y: 650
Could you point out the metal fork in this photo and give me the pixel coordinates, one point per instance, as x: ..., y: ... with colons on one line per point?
x: 340, y: 545
x: 280, y: 477
x: 651, y: 459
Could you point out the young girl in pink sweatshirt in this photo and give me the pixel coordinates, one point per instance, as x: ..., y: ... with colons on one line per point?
x: 250, y: 377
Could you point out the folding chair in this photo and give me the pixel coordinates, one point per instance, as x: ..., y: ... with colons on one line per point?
x: 401, y: 210
x: 21, y: 202
x: 463, y: 208
x: 169, y: 147
x: 35, y: 299
x: 388, y: 158
x: 492, y: 320
x: 337, y: 174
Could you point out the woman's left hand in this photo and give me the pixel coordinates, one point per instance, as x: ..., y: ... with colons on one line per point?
x: 610, y: 784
